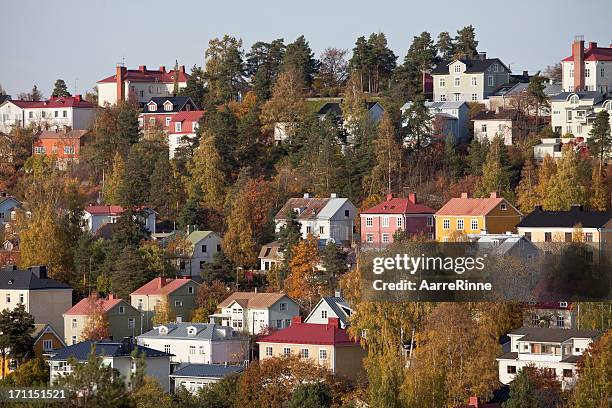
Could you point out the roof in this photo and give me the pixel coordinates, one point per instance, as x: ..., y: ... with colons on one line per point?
x: 4, y: 98
x: 595, y: 54
x: 204, y: 331
x: 103, y: 348
x: 253, y: 300
x: 399, y: 206
x: 178, y: 103
x: 312, y: 208
x: 512, y: 355
x: 439, y: 105
x: 566, y: 219
x: 471, y: 66
x: 310, y: 333
x: 207, y: 371
x: 270, y: 251
x: 61, y: 134
x: 148, y: 75
x: 42, y: 328
x: 336, y: 304
x: 161, y: 286
x: 197, y: 236
x: 182, y: 116
x: 104, y: 209
x: 470, y: 206
x: 503, y: 114
x: 83, y: 307
x: 55, y: 102
x: 27, y: 280
x: 330, y: 107
x: 552, y: 335
x: 595, y: 96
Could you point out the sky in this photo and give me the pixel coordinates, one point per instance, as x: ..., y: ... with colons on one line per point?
x: 82, y: 41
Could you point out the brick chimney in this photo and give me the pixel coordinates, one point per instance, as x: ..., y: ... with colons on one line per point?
x: 494, y: 194
x: 592, y: 44
x: 578, y: 57
x: 412, y: 198
x: 296, y: 320
x: 464, y: 195
x: 120, y: 78
x: 182, y: 69
x: 162, y: 68
x: 161, y: 282
x: 333, y: 322
x: 142, y: 68
x: 112, y: 296
x: 473, y: 402
x: 77, y: 98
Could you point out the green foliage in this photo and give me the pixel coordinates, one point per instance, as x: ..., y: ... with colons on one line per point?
x: 129, y: 272
x: 594, y: 385
x: 316, y: 395
x: 523, y: 392
x: 32, y: 373
x: 373, y: 61
x: 333, y: 260
x: 465, y: 43
x: 298, y: 55
x: 16, y: 327
x: 565, y: 186
x: 60, y: 89
x: 225, y: 70
x: 600, y: 140
x: 263, y: 64
x: 495, y: 176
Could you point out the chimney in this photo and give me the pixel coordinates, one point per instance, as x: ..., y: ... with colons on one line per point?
x: 338, y: 293
x: 162, y: 68
x: 493, y: 194
x: 77, y: 98
x: 473, y: 402
x: 333, y: 195
x: 464, y: 195
x: 526, y: 74
x: 482, y: 56
x: 296, y: 320
x: 161, y: 282
x: 112, y: 296
x: 412, y: 198
x: 306, y: 195
x: 333, y: 322
x: 120, y: 79
x: 389, y: 197
x: 576, y: 207
x: 182, y: 69
x: 255, y: 289
x: 142, y: 68
x: 40, y: 271
x: 592, y: 45
x: 578, y: 57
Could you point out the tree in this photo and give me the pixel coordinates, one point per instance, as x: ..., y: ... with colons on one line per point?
x: 599, y: 200
x: 289, y: 235
x: 565, y: 187
x: 332, y: 72
x: 465, y: 43
x: 302, y: 283
x: 195, y: 87
x: 163, y: 194
x: 594, y: 373
x: 422, y: 53
x: 523, y: 392
x: 60, y: 89
x: 526, y: 192
x: 535, y: 91
x: 224, y: 69
x: 333, y: 260
x: 315, y: 395
x: 454, y: 162
x: 387, y: 153
x: 206, y: 171
x: 418, y: 124
x: 554, y: 73
x: 263, y: 63
x: 445, y: 46
x: 16, y: 327
x: 477, y: 154
x: 495, y: 177
x: 600, y: 140
x: 96, y: 325
x: 112, y: 185
x: 298, y: 56
x: 238, y: 243
x: 150, y: 394
x: 373, y: 61
x: 34, y: 95
x: 546, y: 171
x: 287, y: 106
x: 164, y: 313
x: 128, y: 131
x: 32, y: 373
x: 210, y: 295
x: 128, y: 271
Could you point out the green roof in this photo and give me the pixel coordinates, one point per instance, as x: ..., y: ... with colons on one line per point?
x: 197, y: 236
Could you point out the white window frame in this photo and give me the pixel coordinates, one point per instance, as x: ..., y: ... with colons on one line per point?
x: 442, y: 98
x: 442, y: 82
x: 399, y: 222
x: 286, y: 351
x: 323, y: 314
x: 474, y: 224
x: 178, y: 127
x: 457, y: 68
x: 430, y: 221
x: 474, y: 97
x: 268, y: 351
x: 474, y: 81
x: 457, y: 82
x: 460, y: 224
x: 446, y: 223
x: 491, y: 80
x: 385, y: 221
x: 322, y: 354
x: 369, y: 221
x: 369, y: 237
x: 385, y: 237
x: 304, y: 353
x: 47, y: 344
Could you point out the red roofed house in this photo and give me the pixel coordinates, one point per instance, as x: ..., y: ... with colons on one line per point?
x: 181, y: 295
x: 139, y: 85
x: 464, y: 215
x: 59, y: 112
x: 325, y: 344
x: 381, y: 222
x: 123, y: 319
x: 182, y: 125
x: 63, y: 144
x: 587, y: 69
x: 96, y: 216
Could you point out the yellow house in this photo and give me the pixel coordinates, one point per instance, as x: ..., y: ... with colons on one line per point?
x: 464, y: 215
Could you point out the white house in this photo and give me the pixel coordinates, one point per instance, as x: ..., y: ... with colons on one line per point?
x: 57, y: 112
x: 573, y: 113
x: 488, y: 125
x: 255, y: 313
x: 269, y: 255
x: 201, y: 343
x: 331, y: 306
x: 194, y: 377
x: 95, y: 216
x: 555, y: 350
x: 448, y: 118
x: 330, y: 218
x: 204, y: 246
x: 139, y: 85
x: 587, y: 69
x: 121, y: 356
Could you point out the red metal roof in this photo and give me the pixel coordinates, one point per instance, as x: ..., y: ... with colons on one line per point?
x: 85, y: 305
x: 104, y: 209
x: 399, y: 206
x: 161, y: 286
x: 182, y: 116
x: 595, y: 54
x: 136, y: 75
x: 311, y: 333
x: 61, y: 102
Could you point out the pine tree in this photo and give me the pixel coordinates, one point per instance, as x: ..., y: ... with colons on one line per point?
x: 289, y: 234
x: 333, y: 260
x: 453, y: 160
x: 16, y: 327
x: 206, y: 172
x: 445, y: 46
x: 300, y: 57
x: 224, y: 69
x: 465, y: 43
x: 35, y: 94
x: 526, y: 192
x: 129, y: 272
x: 422, y: 53
x: 523, y: 392
x: 535, y: 90
x: 127, y: 131
x: 600, y: 140
x: 162, y: 195
x: 60, y: 89
x: 566, y: 186
x: 477, y: 154
x: 134, y: 188
x: 418, y: 124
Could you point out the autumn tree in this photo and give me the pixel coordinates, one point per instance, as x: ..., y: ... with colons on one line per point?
x: 206, y: 173
x: 332, y: 72
x: 164, y: 312
x: 565, y: 186
x: 209, y: 296
x: 302, y: 283
x: 224, y: 72
x: 112, y: 184
x: 599, y: 198
x: 238, y: 243
x: 386, y: 169
x: 526, y: 191
x: 32, y: 373
x: 96, y: 325
x: 594, y: 373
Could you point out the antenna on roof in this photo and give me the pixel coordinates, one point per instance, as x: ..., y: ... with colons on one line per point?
x: 122, y: 63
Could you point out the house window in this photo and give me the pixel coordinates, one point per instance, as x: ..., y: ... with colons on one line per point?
x: 460, y: 224
x: 457, y: 68
x: 308, y: 229
x: 131, y: 323
x: 178, y: 303
x: 323, y: 314
x: 474, y: 81
x: 190, y: 290
x: 321, y: 230
x: 579, y: 129
x: 121, y: 309
x: 218, y: 247
x: 30, y: 115
x: 168, y: 106
x: 56, y: 114
x: 8, y: 298
x: 286, y: 351
x: 457, y: 81
x: 322, y: 354
x: 385, y: 221
x: 65, y: 114
x: 167, y: 348
x: 399, y: 222
x: 39, y: 150
x: 287, y: 322
x: 588, y: 237
x: 430, y: 221
x: 201, y: 349
x: 282, y: 307
x: 560, y: 321
x: 152, y: 121
x: 139, y: 304
x: 74, y: 339
x: 503, y: 207
x: 385, y: 237
x: 547, y: 237
x: 370, y: 238
x: 268, y: 351
x: 511, y: 369
x: 528, y: 235
x: 457, y: 97
x: 567, y: 372
x: 491, y: 80
x: 21, y: 298
x: 442, y: 82
x: 279, y: 324
x: 587, y: 73
x: 47, y: 345
x: 474, y: 97
x: 152, y: 107
x: 192, y: 349
x: 443, y: 98
x: 304, y: 353
x: 168, y: 121
x: 568, y: 237
x: 204, y: 248
x: 177, y: 127
x: 44, y: 114
x: 446, y: 224
x: 74, y: 323
x: 369, y: 221
x: 474, y: 224
x: 68, y: 149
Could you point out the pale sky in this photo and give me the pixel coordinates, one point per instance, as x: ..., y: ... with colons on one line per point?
x: 83, y: 40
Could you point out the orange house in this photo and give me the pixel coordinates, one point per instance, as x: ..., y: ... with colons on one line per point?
x: 65, y: 145
x: 46, y: 339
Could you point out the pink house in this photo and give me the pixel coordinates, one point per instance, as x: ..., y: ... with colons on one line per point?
x: 381, y: 222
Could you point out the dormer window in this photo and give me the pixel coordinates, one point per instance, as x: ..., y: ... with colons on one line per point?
x: 168, y: 106
x: 152, y: 107
x: 457, y: 68
x: 574, y: 100
x: 178, y: 127
x: 163, y: 330
x: 191, y: 331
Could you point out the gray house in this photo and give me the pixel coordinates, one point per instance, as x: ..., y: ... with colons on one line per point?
x: 8, y: 204
x: 468, y: 80
x: 448, y: 119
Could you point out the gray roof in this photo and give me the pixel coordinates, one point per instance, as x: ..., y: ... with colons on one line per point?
x: 437, y: 105
x: 206, y: 371
x: 82, y: 350
x: 509, y: 356
x: 204, y: 331
x: 553, y: 335
x: 472, y: 66
x: 28, y: 279
x: 589, y: 95
x: 331, y: 208
x: 178, y: 102
x: 336, y: 304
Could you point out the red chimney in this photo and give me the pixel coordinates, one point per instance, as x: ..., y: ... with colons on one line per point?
x: 112, y: 296
x: 494, y: 194
x: 77, y: 98
x: 161, y: 282
x: 182, y: 69
x: 120, y: 78
x: 412, y: 198
x: 142, y: 68
x: 296, y: 320
x: 473, y: 402
x: 333, y: 322
x: 592, y: 45
x: 162, y: 68
x: 464, y: 195
x: 578, y: 57
x: 389, y: 197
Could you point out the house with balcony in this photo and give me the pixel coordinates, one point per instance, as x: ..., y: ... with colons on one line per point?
x: 466, y: 215
x: 330, y: 218
x: 326, y: 345
x: 197, y: 343
x: 121, y: 356
x: 573, y: 113
x: 256, y: 313
x: 407, y: 216
x: 331, y: 307
x: 555, y: 350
